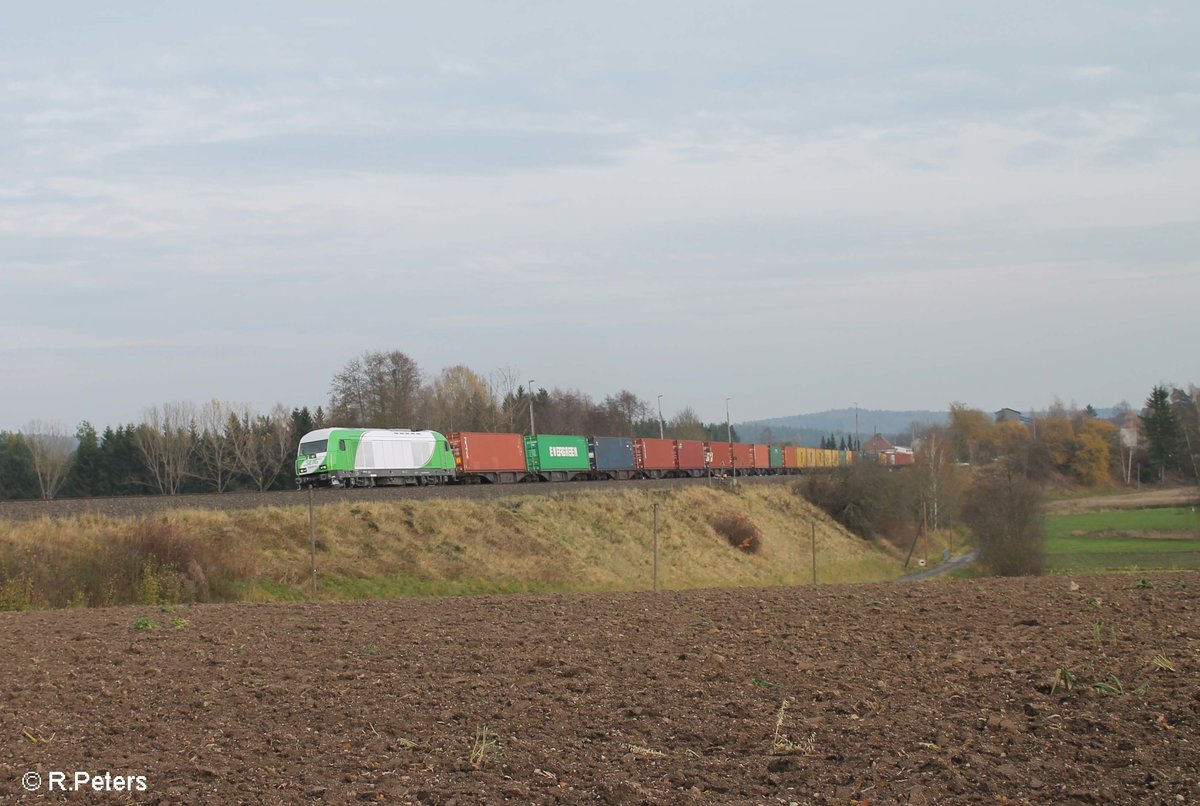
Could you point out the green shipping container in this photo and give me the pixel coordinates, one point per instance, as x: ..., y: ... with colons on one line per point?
x: 549, y: 452
x: 776, y: 456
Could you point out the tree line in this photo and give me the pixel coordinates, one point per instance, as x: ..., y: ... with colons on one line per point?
x: 181, y: 447
x: 991, y: 476
x: 832, y: 443
x: 389, y: 390
x: 1155, y: 444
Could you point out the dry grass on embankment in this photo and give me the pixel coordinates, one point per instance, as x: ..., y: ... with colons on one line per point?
x: 556, y: 542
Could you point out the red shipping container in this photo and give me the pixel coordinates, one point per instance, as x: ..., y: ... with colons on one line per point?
x: 654, y: 454
x: 743, y: 455
x: 689, y: 454
x: 720, y: 456
x: 762, y: 457
x: 482, y: 453
x: 791, y: 457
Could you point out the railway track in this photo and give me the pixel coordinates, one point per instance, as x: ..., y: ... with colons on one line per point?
x: 136, y: 506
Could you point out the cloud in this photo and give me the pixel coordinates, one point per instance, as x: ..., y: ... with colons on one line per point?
x: 1093, y: 72
x: 418, y: 152
x: 459, y: 68
x: 15, y: 339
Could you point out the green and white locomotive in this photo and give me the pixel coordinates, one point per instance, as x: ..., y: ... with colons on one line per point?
x: 369, y: 457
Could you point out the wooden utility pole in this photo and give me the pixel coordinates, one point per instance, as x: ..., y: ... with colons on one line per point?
x: 912, y: 547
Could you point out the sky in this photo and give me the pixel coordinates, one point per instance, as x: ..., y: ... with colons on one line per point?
x: 797, y: 206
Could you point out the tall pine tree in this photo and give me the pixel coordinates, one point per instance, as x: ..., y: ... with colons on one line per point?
x: 1163, y: 434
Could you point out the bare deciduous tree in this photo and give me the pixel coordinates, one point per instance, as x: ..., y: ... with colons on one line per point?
x: 261, y: 444
x: 623, y: 410
x: 52, y: 449
x: 460, y: 401
x: 380, y: 390
x: 1005, y: 513
x: 686, y: 424
x: 503, y: 384
x: 936, y: 476
x: 217, y: 462
x: 164, y: 440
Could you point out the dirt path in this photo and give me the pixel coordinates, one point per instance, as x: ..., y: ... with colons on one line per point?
x: 968, y: 691
x: 953, y: 564
x: 1177, y: 497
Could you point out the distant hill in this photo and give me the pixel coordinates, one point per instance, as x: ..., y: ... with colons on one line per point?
x: 807, y: 429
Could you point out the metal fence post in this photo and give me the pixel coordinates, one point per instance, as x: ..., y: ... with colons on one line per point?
x: 656, y: 547
x: 814, y: 551
x: 312, y: 539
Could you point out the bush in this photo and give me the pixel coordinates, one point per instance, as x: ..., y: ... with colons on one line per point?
x: 1005, y: 514
x: 741, y: 532
x: 144, y: 562
x: 867, y: 499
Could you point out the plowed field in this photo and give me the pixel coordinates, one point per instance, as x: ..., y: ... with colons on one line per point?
x: 939, y: 692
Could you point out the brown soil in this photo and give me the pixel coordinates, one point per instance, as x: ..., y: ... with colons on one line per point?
x: 1141, y: 534
x: 922, y: 693
x: 1176, y: 497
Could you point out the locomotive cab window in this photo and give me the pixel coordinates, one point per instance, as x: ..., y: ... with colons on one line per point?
x: 314, y: 447
x: 341, y: 444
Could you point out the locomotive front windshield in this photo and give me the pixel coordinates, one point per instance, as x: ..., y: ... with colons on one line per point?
x: 314, y: 447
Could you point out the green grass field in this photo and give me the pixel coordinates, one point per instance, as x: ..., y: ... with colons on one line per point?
x: 1181, y: 520
x: 1167, y: 538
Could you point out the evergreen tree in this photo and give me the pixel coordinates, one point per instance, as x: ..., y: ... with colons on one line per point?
x: 1187, y: 414
x: 302, y: 422
x: 121, y: 469
x: 84, y: 478
x: 17, y: 479
x: 1163, y: 434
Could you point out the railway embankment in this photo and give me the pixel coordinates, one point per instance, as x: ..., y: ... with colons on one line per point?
x: 583, y: 540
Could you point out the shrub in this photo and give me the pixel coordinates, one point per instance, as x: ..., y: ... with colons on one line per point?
x: 146, y: 561
x: 867, y: 499
x: 741, y: 532
x: 1006, y: 519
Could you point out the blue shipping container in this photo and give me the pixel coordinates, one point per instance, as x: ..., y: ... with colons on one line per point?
x: 611, y: 453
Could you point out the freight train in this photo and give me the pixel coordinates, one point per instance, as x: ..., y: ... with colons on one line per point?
x: 370, y: 457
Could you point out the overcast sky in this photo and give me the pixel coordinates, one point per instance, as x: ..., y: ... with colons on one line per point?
x: 796, y: 205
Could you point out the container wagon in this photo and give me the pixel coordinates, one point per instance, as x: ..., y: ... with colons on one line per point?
x: 761, y: 454
x: 490, y: 458
x: 720, y: 455
x: 791, y: 458
x: 557, y: 457
x: 691, y: 458
x: 611, y: 458
x: 743, y: 458
x: 656, y: 458
x: 776, y: 459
